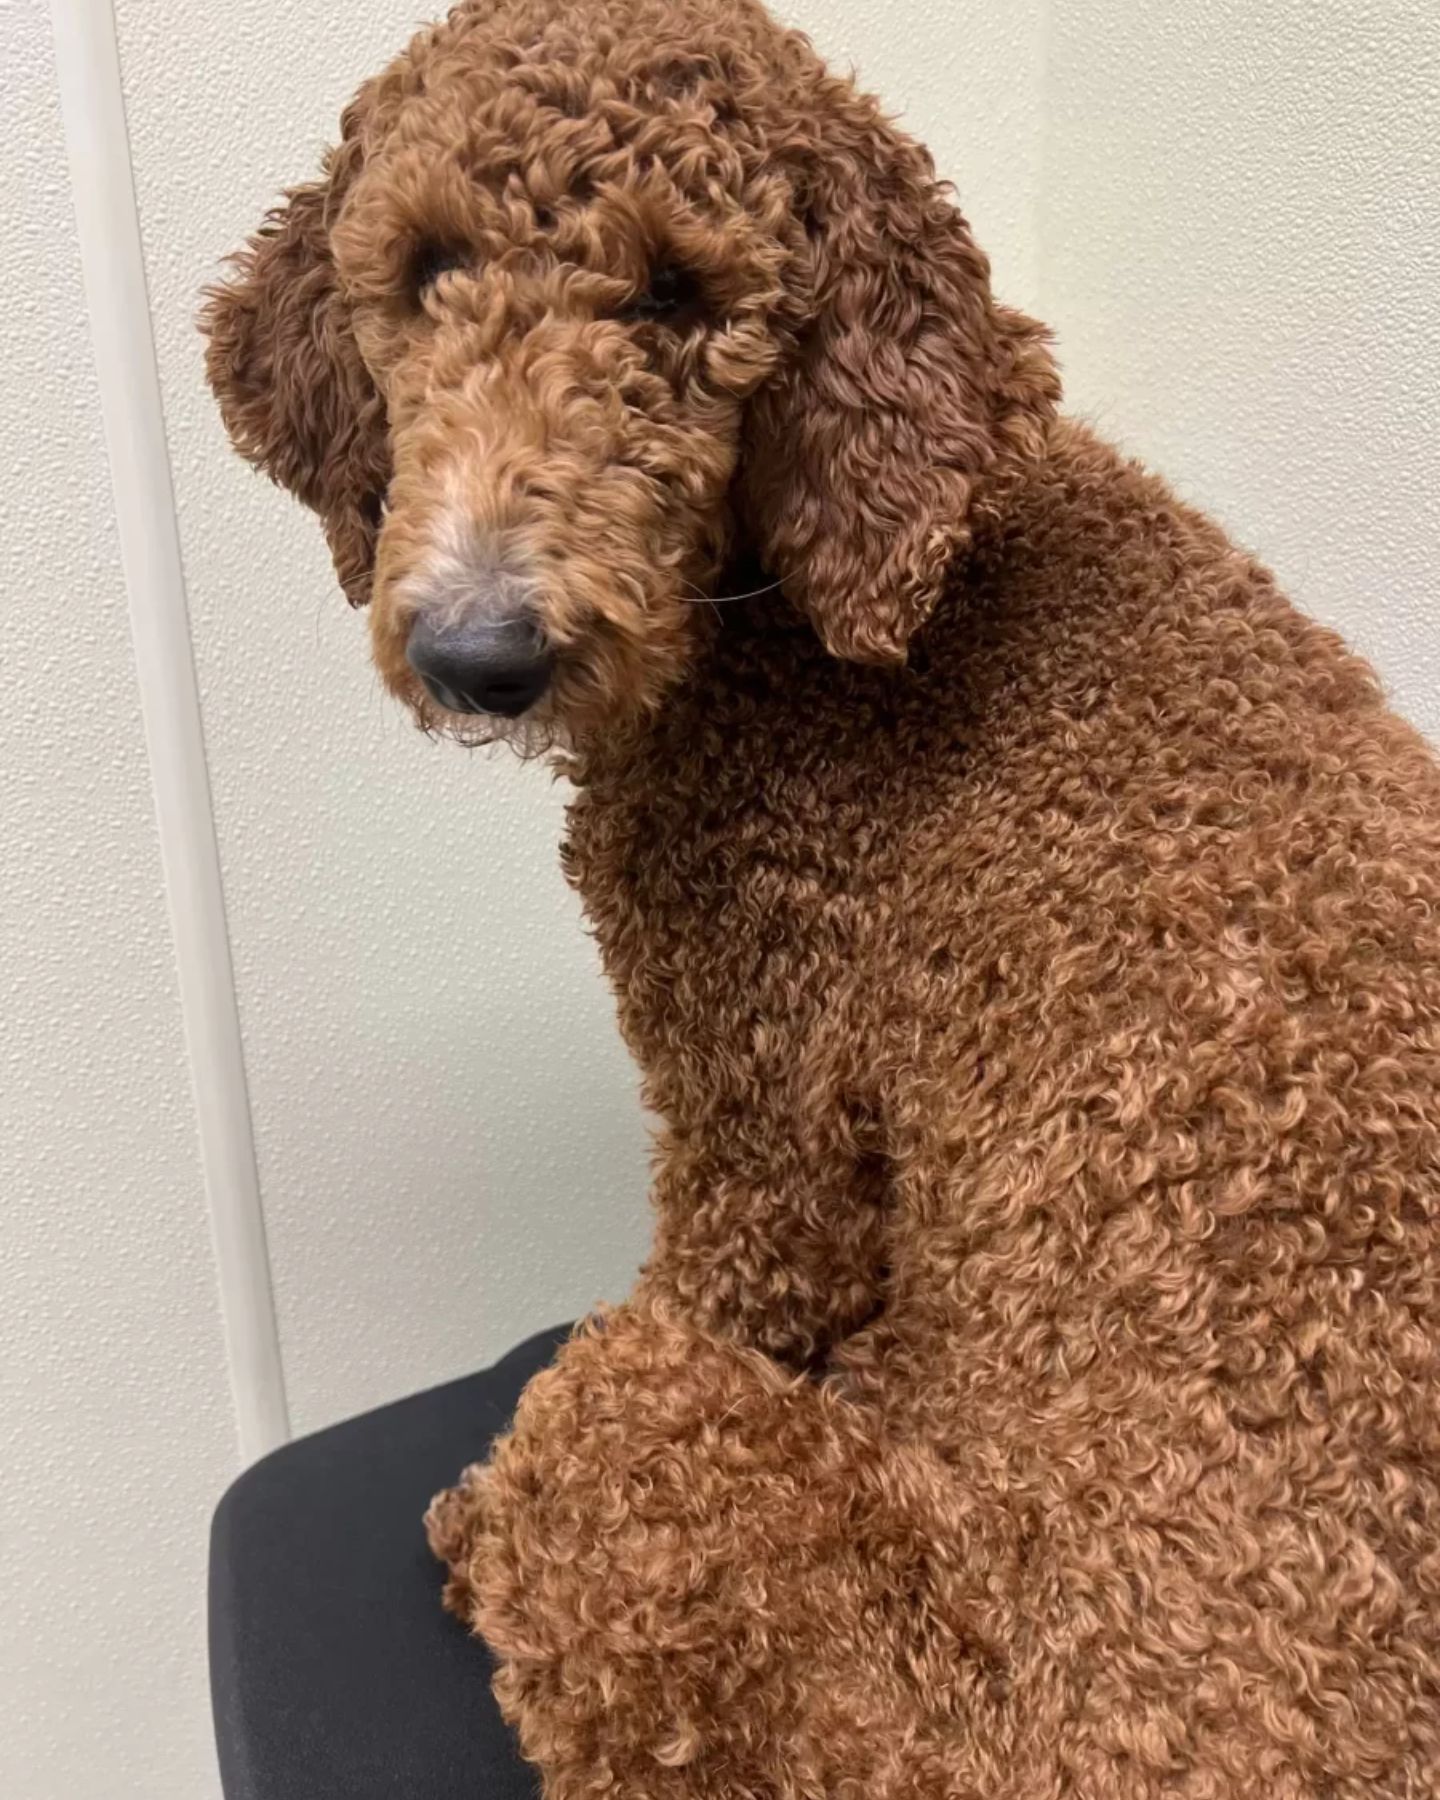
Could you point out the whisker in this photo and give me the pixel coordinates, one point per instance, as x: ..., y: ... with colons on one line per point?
x: 700, y: 599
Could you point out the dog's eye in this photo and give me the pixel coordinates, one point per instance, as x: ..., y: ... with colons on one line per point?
x: 430, y: 262
x: 673, y: 296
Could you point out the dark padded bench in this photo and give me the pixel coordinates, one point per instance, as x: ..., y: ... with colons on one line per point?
x: 334, y: 1674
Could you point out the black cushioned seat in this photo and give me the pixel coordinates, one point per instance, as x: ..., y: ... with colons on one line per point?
x: 334, y: 1674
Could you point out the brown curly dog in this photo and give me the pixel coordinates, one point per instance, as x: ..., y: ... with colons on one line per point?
x: 1027, y: 923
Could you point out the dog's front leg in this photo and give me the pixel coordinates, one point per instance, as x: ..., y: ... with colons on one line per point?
x: 704, y: 1577
x: 772, y: 1233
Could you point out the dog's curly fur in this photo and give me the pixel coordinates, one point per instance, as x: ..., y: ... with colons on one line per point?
x: 1028, y: 925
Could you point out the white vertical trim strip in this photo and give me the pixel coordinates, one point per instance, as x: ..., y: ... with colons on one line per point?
x: 88, y: 64
x: 1045, y: 149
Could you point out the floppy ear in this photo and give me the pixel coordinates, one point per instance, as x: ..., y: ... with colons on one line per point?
x: 909, y: 399
x: 293, y: 390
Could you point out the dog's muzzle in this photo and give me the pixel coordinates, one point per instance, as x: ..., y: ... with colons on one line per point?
x: 479, y: 665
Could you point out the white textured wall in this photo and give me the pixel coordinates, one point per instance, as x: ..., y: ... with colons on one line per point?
x: 1240, y: 248
x: 115, y: 1413
x: 1229, y: 213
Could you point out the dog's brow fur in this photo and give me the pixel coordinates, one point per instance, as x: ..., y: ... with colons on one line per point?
x: 1027, y: 923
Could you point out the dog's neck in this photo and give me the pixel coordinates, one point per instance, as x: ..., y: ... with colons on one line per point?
x: 762, y: 693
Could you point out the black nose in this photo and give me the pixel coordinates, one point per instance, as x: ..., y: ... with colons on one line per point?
x: 481, y: 665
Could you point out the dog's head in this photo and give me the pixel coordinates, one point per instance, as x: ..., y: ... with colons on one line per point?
x: 588, y: 294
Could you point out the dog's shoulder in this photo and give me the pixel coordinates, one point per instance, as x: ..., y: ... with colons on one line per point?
x: 1100, y: 574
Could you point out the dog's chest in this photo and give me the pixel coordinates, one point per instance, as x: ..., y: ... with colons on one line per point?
x: 734, y: 862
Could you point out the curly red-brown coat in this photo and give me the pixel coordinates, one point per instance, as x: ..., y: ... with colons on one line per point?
x: 1027, y: 924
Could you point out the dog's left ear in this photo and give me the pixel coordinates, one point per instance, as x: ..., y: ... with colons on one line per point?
x: 910, y: 396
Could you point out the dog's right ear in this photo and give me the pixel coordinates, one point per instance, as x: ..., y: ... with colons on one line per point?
x: 292, y: 387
